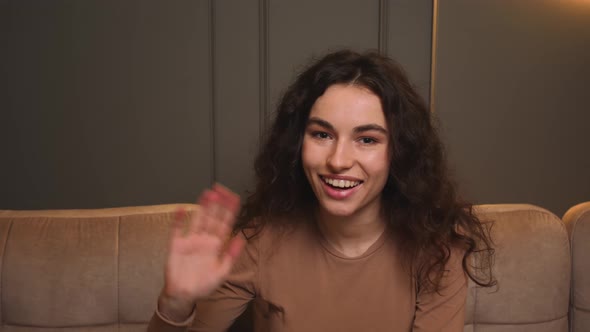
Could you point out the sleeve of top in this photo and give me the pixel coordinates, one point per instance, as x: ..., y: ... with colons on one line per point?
x: 217, y: 312
x: 444, y: 311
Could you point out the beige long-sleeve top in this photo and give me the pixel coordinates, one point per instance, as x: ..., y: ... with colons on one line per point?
x: 298, y: 282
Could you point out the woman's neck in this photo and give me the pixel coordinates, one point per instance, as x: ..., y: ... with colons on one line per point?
x: 351, y: 235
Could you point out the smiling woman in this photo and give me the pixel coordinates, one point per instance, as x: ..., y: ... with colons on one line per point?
x: 354, y: 224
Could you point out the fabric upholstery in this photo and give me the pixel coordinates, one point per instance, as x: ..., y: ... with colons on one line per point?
x: 577, y: 220
x: 532, y: 267
x: 101, y: 270
x: 142, y: 237
x: 82, y: 270
x: 68, y: 269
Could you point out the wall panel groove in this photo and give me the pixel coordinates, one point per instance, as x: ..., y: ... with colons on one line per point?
x: 383, y: 25
x: 239, y: 89
x: 212, y: 93
x: 433, y: 46
x: 409, y: 40
x: 264, y: 111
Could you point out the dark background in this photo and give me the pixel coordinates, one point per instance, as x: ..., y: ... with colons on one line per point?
x: 117, y: 103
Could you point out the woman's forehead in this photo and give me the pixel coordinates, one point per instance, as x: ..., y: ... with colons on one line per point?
x: 348, y: 104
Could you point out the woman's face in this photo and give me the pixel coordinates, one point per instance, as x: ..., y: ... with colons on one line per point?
x: 345, y: 151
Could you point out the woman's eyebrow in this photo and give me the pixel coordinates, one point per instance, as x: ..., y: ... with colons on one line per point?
x: 320, y: 122
x: 369, y: 127
x: 360, y: 129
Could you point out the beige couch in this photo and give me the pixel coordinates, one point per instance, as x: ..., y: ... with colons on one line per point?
x: 101, y: 270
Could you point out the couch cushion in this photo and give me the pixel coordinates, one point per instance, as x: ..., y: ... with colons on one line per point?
x: 95, y: 270
x: 532, y: 267
x: 577, y: 220
x: 142, y: 254
x: 60, y: 271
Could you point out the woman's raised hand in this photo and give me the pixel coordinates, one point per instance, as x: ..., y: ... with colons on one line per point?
x: 201, y: 254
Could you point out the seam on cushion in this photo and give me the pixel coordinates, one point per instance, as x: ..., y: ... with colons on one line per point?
x: 572, y: 299
x: 570, y: 317
x: 475, y: 308
x: 477, y: 287
x: 2, y: 271
x: 258, y: 284
x: 524, y: 323
x: 572, y: 244
x: 581, y: 309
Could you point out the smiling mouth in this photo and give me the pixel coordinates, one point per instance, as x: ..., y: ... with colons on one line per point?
x: 340, y: 184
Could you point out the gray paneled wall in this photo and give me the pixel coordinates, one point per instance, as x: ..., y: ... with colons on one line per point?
x: 113, y: 103
x: 511, y: 89
x: 105, y: 103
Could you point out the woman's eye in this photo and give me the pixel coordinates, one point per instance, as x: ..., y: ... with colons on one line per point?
x: 368, y: 140
x: 321, y: 135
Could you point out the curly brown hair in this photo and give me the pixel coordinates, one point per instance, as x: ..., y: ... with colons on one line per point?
x: 419, y: 201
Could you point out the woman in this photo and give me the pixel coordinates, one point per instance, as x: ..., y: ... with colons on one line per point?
x: 354, y: 224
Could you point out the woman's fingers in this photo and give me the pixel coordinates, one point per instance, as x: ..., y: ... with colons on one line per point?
x: 231, y: 254
x: 231, y: 199
x: 200, y: 218
x: 217, y: 212
x: 178, y: 225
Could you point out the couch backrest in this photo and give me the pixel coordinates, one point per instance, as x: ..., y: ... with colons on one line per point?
x: 532, y: 267
x: 92, y: 270
x: 577, y: 220
x: 101, y: 270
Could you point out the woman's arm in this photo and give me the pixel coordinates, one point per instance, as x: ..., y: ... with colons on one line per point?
x: 219, y: 310
x: 444, y: 310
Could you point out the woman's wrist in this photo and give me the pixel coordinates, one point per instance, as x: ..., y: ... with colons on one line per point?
x: 173, y: 309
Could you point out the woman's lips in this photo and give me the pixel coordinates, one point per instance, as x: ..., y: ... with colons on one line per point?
x: 339, y: 193
x: 342, y: 183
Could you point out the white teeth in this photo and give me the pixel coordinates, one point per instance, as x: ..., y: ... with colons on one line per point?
x: 341, y: 183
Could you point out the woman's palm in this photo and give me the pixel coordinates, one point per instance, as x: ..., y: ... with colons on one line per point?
x: 201, y: 253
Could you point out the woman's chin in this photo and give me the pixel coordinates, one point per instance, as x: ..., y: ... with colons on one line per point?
x: 337, y: 211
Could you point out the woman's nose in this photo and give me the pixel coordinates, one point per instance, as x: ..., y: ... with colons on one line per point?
x: 341, y: 157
